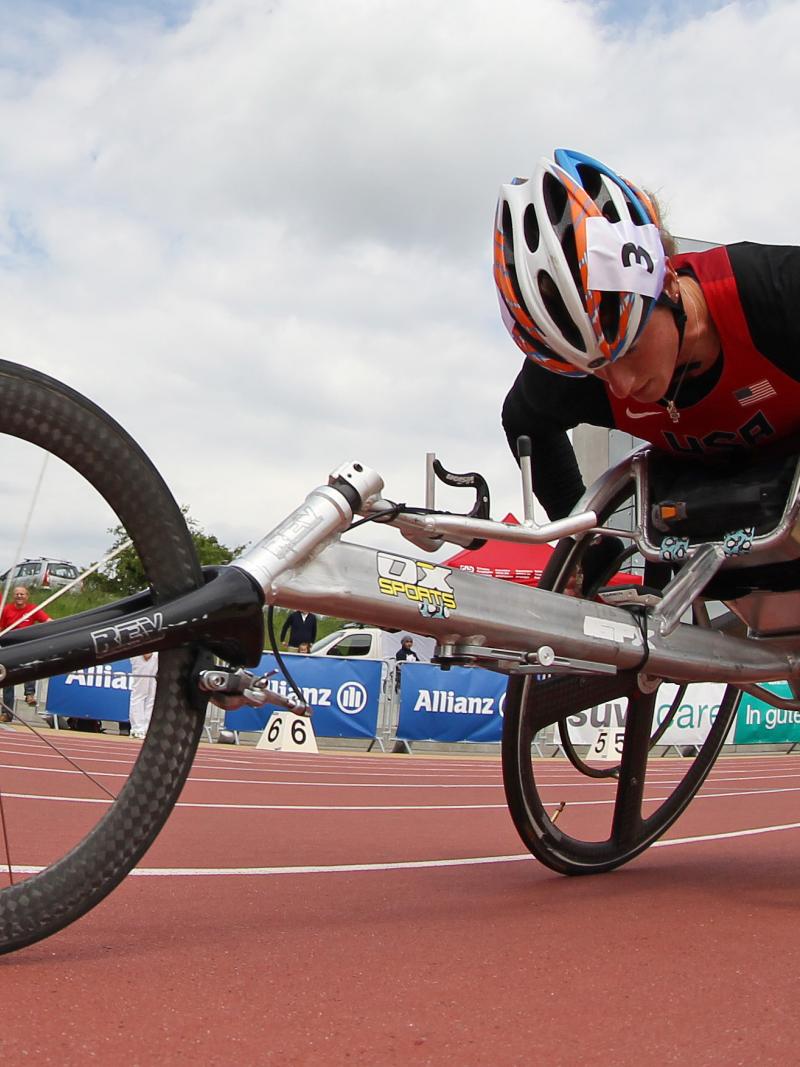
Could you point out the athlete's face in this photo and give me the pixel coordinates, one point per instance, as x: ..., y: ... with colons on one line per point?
x: 645, y: 371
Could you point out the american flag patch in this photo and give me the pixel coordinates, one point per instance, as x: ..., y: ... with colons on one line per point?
x: 751, y: 394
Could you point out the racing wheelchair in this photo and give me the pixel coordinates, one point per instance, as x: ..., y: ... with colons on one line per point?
x: 718, y: 551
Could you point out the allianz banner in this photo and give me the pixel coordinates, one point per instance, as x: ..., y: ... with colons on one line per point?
x: 101, y: 692
x: 462, y: 704
x: 466, y: 704
x: 344, y: 694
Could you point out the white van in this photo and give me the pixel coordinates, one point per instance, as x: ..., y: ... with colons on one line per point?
x: 371, y: 642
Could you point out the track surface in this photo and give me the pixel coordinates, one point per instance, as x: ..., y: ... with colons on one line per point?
x: 352, y: 909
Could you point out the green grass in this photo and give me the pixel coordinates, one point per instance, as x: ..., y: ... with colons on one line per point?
x: 71, y: 603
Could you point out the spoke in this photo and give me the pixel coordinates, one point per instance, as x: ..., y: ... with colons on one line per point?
x: 75, y: 766
x: 633, y: 768
x: 25, y: 527
x: 62, y: 755
x: 3, y: 828
x: 6, y: 847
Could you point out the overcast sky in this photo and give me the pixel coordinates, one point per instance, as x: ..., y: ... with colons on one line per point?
x: 259, y: 231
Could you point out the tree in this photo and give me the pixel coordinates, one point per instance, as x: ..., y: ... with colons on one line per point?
x: 124, y: 574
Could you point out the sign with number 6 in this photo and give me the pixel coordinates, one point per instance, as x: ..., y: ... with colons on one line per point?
x: 286, y: 732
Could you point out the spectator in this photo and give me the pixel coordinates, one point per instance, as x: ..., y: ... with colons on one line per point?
x: 302, y: 629
x: 405, y: 654
x: 143, y: 692
x: 17, y: 613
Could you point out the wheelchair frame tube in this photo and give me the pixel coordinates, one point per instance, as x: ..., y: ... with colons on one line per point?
x: 458, y: 608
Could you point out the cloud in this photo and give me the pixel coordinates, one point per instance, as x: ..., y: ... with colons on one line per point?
x: 260, y: 234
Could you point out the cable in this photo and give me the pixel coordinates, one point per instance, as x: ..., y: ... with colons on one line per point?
x: 404, y: 509
x: 279, y: 658
x: 639, y: 613
x: 383, y: 516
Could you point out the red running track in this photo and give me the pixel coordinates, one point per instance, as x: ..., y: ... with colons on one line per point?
x: 354, y: 909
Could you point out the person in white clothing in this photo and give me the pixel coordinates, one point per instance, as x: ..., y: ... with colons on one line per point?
x: 143, y: 691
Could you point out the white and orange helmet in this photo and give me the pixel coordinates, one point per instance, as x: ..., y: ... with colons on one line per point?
x: 578, y: 263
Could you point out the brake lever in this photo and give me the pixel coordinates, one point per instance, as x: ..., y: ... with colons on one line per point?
x: 481, y: 509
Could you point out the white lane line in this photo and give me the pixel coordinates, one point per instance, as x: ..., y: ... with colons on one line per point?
x: 100, y: 773
x: 748, y: 777
x: 59, y: 770
x: 728, y: 835
x: 405, y: 865
x: 350, y: 785
x: 391, y: 807
x: 207, y: 766
x: 45, y: 796
x: 367, y: 764
x: 275, y: 807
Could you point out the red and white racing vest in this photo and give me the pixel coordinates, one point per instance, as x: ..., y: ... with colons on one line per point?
x: 753, y: 403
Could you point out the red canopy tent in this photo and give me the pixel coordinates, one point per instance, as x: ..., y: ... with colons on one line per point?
x: 504, y: 559
x: 513, y: 562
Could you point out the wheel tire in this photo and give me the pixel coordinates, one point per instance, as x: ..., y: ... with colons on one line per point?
x: 630, y: 833
x: 568, y: 854
x: 44, y: 412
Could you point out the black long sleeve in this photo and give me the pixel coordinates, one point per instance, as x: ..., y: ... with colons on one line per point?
x: 543, y: 406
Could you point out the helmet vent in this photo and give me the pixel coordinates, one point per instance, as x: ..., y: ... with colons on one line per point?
x: 591, y: 180
x: 609, y: 315
x: 610, y: 211
x: 531, y: 227
x: 508, y: 254
x: 555, y: 198
x: 570, y: 251
x: 508, y: 235
x: 557, y: 310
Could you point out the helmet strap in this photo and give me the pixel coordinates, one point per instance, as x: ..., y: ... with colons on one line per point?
x: 675, y: 305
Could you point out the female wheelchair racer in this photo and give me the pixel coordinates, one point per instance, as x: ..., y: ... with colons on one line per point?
x: 596, y: 237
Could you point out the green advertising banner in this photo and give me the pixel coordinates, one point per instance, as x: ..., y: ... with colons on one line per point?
x: 759, y: 723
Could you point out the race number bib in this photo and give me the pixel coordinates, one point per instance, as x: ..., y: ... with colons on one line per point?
x: 623, y: 257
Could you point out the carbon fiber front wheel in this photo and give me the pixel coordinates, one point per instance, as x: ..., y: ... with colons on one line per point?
x: 42, y: 888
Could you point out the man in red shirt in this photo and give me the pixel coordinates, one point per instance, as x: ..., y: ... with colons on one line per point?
x: 19, y: 612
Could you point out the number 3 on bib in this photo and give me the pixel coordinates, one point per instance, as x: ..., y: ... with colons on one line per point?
x: 286, y: 732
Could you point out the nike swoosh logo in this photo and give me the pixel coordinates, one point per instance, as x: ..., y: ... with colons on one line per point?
x: 640, y: 414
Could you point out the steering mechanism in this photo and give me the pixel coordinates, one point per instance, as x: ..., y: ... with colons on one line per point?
x: 240, y: 688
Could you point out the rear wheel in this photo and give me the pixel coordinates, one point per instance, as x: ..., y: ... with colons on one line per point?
x: 587, y: 826
x: 69, y: 833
